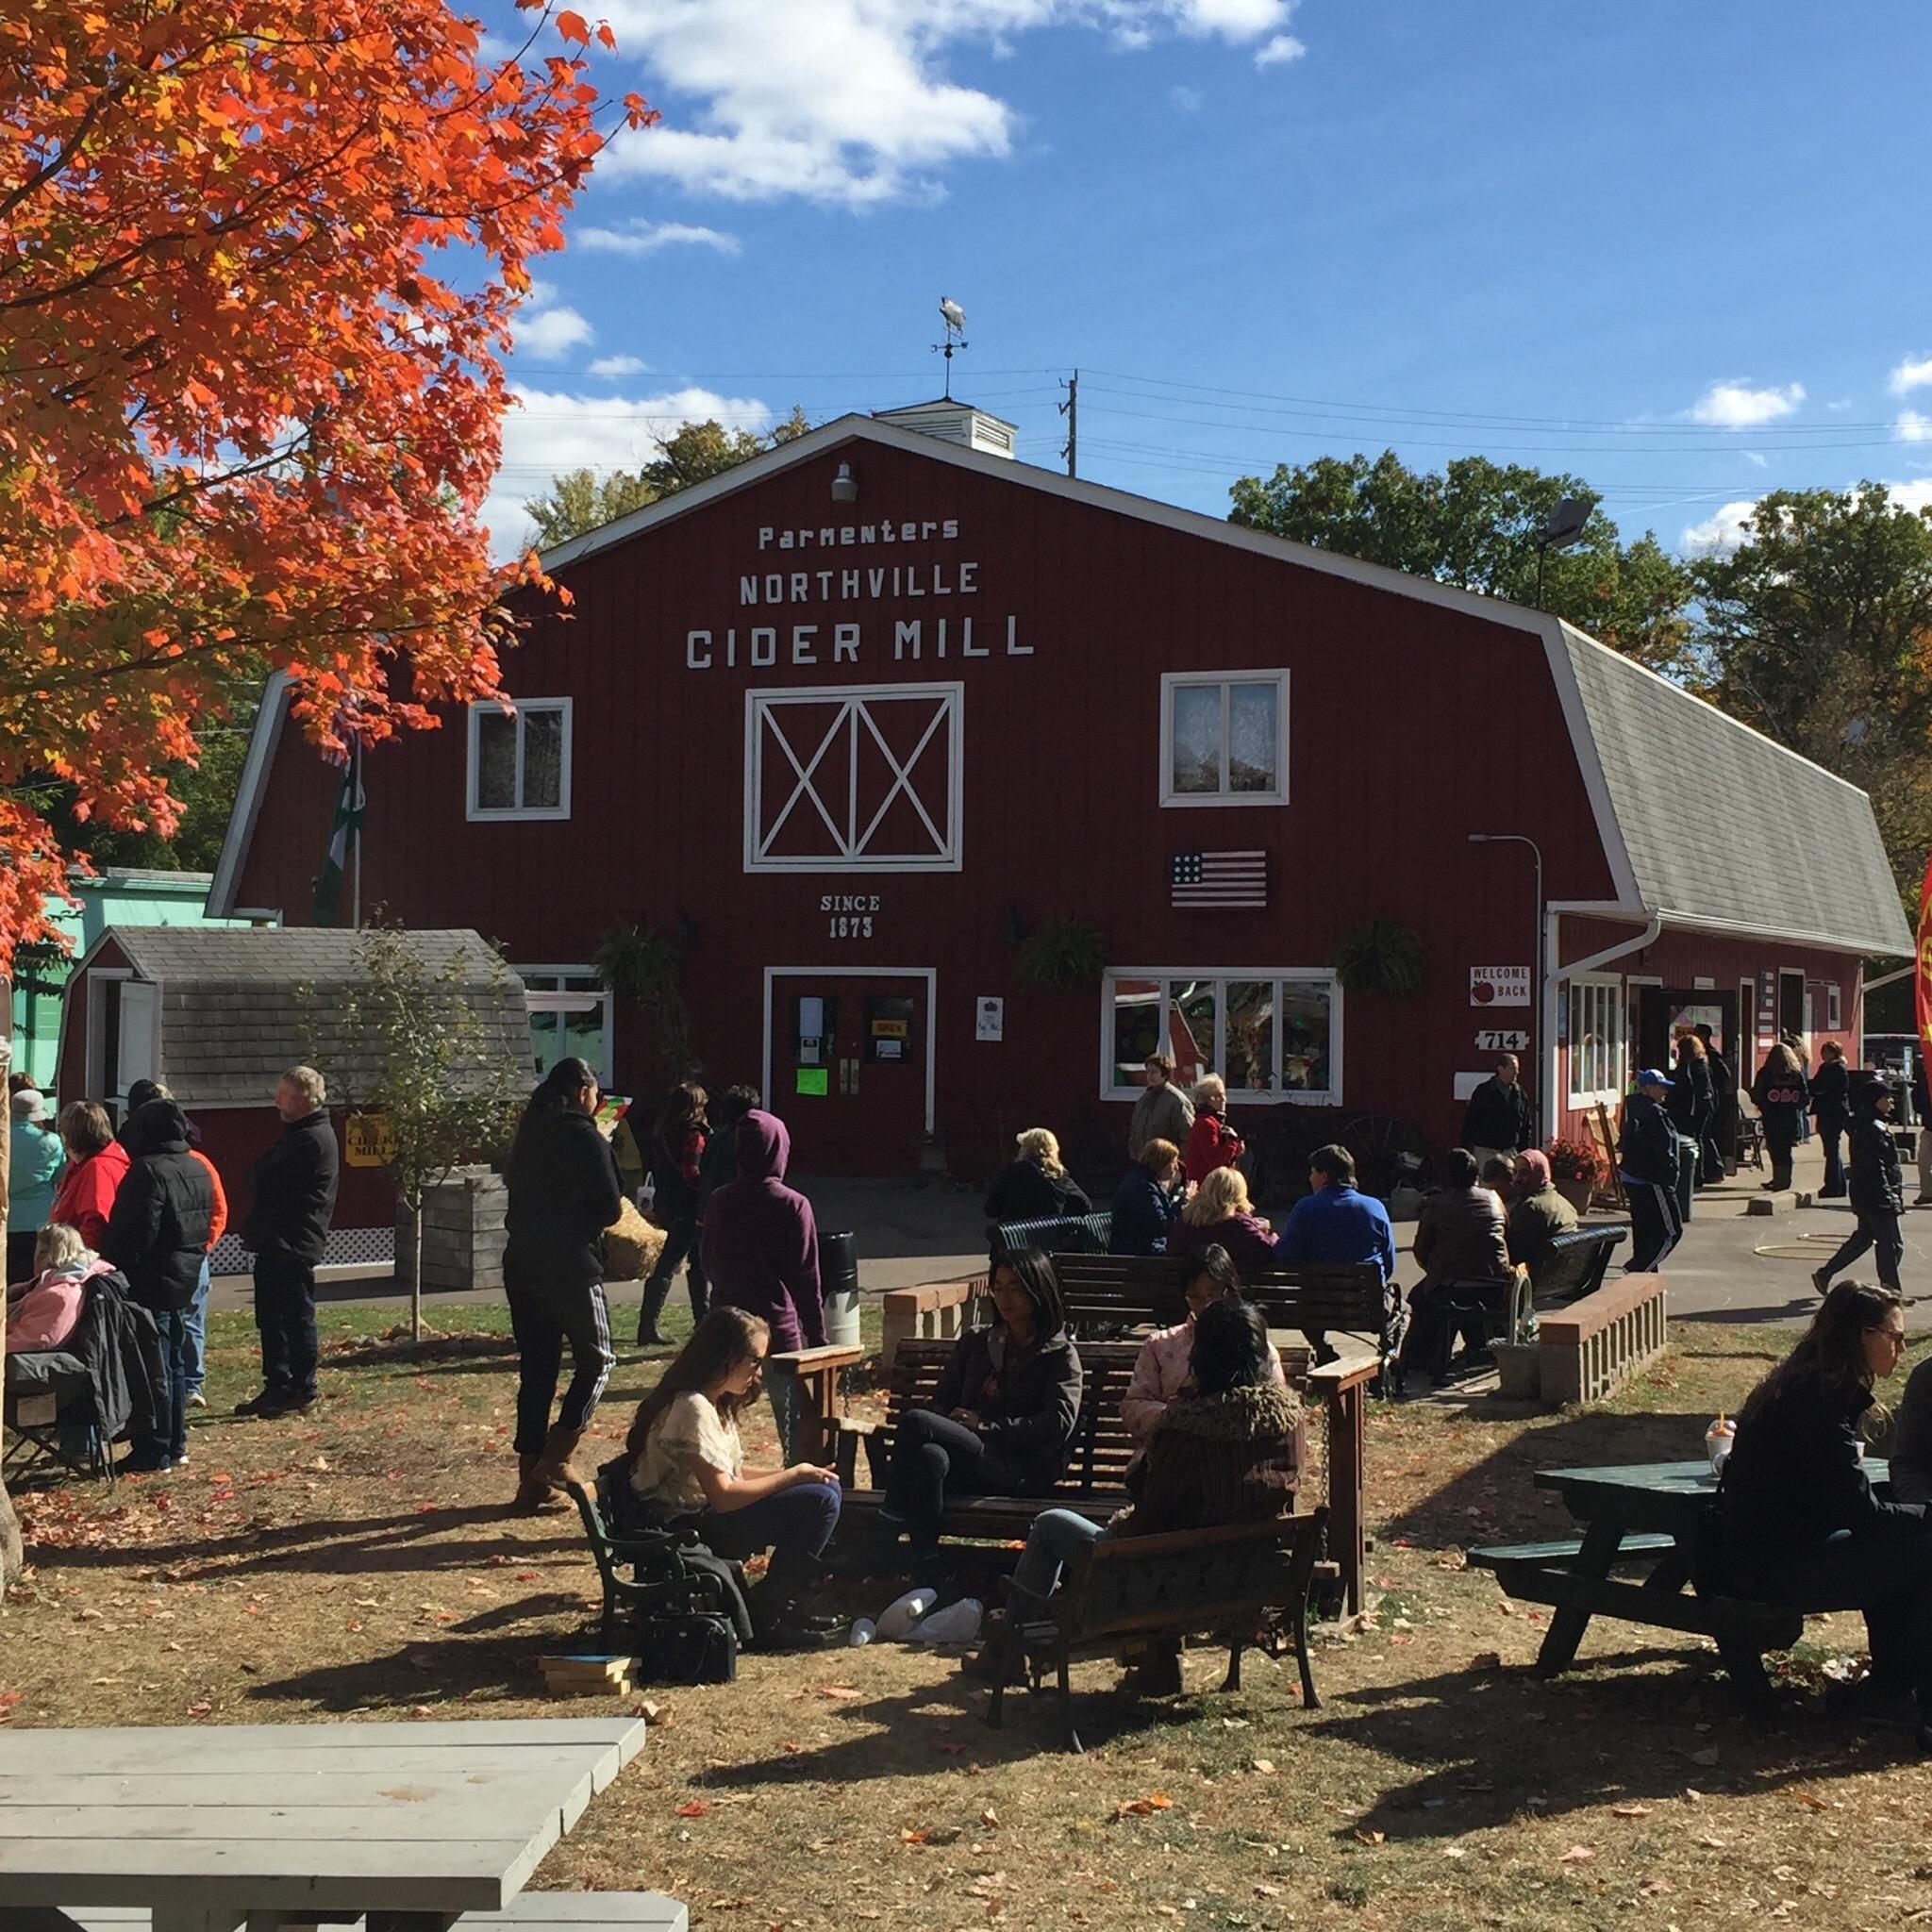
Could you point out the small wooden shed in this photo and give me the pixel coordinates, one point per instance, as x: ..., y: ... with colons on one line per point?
x: 219, y: 1016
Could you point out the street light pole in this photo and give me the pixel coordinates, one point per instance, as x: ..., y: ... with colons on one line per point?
x: 1536, y: 970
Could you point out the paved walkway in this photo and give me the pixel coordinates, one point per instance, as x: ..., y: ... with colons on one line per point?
x: 909, y: 1233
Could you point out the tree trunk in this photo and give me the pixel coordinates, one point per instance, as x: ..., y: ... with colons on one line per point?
x: 11, y: 1555
x: 416, y: 1275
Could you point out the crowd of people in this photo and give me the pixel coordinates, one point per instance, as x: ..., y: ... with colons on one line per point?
x: 136, y: 1214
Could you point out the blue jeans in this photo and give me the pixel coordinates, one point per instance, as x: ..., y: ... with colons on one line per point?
x: 797, y: 1521
x: 784, y: 1395
x: 1057, y: 1535
x: 169, y: 1433
x: 197, y: 1332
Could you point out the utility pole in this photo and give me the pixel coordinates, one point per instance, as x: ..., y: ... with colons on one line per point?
x: 1071, y: 410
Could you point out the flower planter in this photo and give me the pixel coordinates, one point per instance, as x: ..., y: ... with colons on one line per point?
x: 1577, y: 1193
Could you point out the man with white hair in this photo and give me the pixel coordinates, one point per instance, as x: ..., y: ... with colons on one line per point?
x: 294, y: 1185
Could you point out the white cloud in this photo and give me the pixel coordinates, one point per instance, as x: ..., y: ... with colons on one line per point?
x: 1724, y: 531
x: 547, y: 329
x: 1734, y: 405
x: 1913, y: 426
x: 607, y: 366
x: 1184, y: 100
x: 849, y: 101
x: 1910, y: 376
x: 1915, y: 496
x: 554, y: 431
x: 1282, y: 48
x: 647, y: 238
x: 1755, y: 456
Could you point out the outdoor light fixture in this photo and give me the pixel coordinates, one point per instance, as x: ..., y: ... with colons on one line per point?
x: 844, y: 485
x: 1562, y: 528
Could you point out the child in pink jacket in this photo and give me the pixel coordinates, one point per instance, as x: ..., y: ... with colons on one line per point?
x: 1161, y: 1371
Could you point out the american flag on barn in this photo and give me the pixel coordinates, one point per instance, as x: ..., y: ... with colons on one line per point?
x: 1231, y: 879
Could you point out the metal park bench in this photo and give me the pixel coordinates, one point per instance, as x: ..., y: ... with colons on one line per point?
x: 1075, y: 1234
x: 1226, y: 1581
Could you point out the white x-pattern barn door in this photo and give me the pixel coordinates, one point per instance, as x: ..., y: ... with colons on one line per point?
x: 853, y: 778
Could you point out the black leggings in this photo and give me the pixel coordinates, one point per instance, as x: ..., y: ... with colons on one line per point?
x: 542, y: 1320
x: 932, y: 1457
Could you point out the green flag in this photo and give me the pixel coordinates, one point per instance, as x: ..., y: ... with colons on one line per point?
x: 345, y: 826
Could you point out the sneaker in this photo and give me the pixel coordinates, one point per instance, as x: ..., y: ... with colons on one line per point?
x: 1821, y: 1280
x: 180, y: 1461
x: 146, y: 1463
x: 197, y: 1400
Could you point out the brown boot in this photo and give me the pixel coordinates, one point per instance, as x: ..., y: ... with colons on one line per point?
x: 554, y: 1465
x: 535, y: 1491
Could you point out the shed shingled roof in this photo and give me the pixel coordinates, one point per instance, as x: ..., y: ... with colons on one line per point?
x: 1722, y: 827
x: 232, y: 1018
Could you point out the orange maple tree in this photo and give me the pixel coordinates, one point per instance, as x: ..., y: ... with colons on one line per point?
x: 259, y: 261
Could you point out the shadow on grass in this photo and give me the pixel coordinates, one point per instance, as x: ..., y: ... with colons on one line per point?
x: 445, y: 1668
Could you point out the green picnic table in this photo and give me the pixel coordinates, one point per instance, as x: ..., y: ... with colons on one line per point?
x: 1638, y: 1559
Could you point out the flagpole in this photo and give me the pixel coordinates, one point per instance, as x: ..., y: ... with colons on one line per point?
x: 355, y: 889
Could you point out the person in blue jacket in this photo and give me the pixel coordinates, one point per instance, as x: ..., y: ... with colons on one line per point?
x: 1149, y: 1201
x: 1647, y: 1159
x: 1334, y: 1221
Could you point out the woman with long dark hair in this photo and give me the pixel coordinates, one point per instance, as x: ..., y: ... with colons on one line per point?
x: 675, y: 1158
x: 564, y: 1191
x: 1782, y: 1093
x: 1002, y: 1418
x: 1164, y: 1369
x: 1800, y: 1523
x: 687, y: 1459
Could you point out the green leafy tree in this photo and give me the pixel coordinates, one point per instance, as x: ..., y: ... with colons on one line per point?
x: 415, y: 1050
x: 1473, y: 524
x: 1817, y: 629
x: 579, y: 500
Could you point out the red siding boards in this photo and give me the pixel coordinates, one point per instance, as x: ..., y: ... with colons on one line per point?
x: 1411, y: 724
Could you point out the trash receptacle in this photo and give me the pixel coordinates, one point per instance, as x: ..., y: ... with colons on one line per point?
x: 839, y: 1281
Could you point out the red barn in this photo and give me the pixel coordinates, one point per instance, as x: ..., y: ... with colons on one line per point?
x: 854, y: 720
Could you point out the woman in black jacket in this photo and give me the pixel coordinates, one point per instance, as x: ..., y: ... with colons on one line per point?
x: 564, y: 1191
x: 1003, y: 1416
x: 1781, y: 1091
x: 158, y: 1237
x: 1831, y: 1106
x: 1799, y: 1522
x: 1036, y: 1187
x: 1692, y: 1101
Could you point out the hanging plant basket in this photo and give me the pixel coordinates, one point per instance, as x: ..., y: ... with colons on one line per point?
x: 1383, y: 956
x: 646, y: 968
x: 1063, y: 954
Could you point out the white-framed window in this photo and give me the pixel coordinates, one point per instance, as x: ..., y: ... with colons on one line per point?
x: 1224, y: 737
x: 519, y: 760
x: 1272, y: 1033
x: 1598, y: 1040
x: 1833, y: 1006
x: 570, y: 1013
x: 854, y: 778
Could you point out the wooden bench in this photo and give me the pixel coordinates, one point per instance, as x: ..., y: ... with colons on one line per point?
x: 529, y: 1911
x: 1079, y: 1234
x: 1223, y: 1581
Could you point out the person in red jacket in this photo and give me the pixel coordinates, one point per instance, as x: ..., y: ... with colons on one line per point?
x: 96, y: 1166
x: 197, y: 1308
x: 1211, y: 1142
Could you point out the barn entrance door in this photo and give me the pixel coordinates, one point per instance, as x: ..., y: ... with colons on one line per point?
x: 849, y: 1066
x: 1665, y: 1012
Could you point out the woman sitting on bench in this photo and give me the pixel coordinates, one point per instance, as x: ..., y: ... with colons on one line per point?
x: 1799, y: 1523
x: 1221, y: 1215
x: 687, y: 1459
x: 1002, y: 1418
x: 1228, y: 1450
x: 1164, y: 1369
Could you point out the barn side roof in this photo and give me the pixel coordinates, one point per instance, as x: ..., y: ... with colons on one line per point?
x: 233, y: 1016
x: 1725, y: 827
x: 1702, y: 819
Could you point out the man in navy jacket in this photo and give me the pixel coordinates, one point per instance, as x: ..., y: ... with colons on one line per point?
x: 1647, y: 1159
x: 1878, y: 1188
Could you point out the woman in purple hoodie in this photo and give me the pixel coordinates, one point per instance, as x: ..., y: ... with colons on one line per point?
x: 761, y: 1255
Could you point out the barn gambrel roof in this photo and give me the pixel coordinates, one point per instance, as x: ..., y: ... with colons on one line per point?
x: 1703, y: 822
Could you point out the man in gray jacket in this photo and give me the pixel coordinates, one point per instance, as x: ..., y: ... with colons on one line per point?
x: 1163, y: 1112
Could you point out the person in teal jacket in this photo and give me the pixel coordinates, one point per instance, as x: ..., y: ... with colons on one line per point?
x: 38, y: 1159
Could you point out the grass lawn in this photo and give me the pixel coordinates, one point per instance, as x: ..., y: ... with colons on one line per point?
x: 359, y: 1560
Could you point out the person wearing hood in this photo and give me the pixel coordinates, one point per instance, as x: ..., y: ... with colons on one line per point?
x: 44, y: 1313
x: 294, y: 1184
x: 1228, y: 1449
x: 1877, y: 1189
x: 761, y: 1253
x: 36, y: 1158
x: 564, y: 1191
x: 158, y: 1237
x: 1001, y: 1417
x: 96, y: 1166
x: 1537, y: 1214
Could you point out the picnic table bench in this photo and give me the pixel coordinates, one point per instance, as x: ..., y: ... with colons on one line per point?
x: 208, y: 1828
x: 1647, y: 1515
x: 1224, y: 1580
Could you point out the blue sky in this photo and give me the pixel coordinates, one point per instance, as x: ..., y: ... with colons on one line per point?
x: 1678, y: 250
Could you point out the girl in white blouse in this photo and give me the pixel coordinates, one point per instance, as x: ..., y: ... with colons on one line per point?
x: 688, y: 1458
